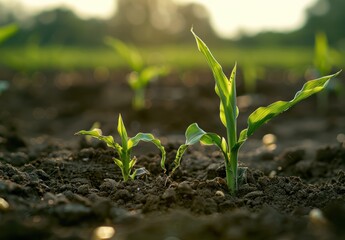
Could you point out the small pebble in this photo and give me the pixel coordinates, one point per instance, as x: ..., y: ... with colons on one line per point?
x: 185, y: 188
x: 316, y: 217
x: 169, y: 194
x: 254, y: 194
x: 272, y: 174
x: 220, y: 194
x: 269, y: 139
x: 103, y: 233
x: 3, y: 205
x: 108, y: 185
x: 83, y: 189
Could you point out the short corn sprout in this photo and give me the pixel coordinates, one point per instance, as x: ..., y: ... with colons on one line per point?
x: 141, y: 75
x: 324, y: 59
x: 3, y: 86
x: 226, y: 90
x: 124, y: 161
x: 7, y: 31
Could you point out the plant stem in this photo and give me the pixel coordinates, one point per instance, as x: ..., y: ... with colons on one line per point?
x: 125, y: 170
x: 231, y: 171
x: 231, y: 160
x: 139, y: 99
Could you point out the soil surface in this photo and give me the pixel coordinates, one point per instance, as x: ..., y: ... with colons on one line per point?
x: 54, y: 185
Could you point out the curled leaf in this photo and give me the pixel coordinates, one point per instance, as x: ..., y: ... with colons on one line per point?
x: 97, y: 133
x: 264, y: 114
x: 195, y: 134
x: 148, y: 137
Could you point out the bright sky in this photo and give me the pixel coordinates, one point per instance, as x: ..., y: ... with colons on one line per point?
x: 228, y: 17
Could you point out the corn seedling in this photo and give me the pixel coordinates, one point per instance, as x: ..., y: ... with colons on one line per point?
x: 323, y: 66
x: 124, y: 160
x: 324, y: 60
x: 141, y: 75
x: 226, y: 90
x: 7, y: 31
x: 251, y: 74
x: 3, y: 86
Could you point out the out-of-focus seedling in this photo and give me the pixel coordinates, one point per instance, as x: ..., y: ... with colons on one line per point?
x: 124, y: 160
x: 323, y: 64
x: 141, y: 75
x: 226, y: 90
x: 7, y: 31
x: 251, y: 74
x: 3, y: 86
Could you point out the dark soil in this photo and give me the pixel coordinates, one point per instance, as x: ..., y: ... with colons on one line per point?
x: 54, y: 185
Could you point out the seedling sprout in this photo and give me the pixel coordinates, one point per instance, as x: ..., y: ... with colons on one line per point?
x: 141, y: 75
x: 323, y: 64
x: 7, y: 31
x: 226, y: 90
x: 3, y: 86
x: 124, y: 160
x: 251, y: 74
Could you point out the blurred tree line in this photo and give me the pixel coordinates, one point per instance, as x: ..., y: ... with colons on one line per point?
x: 162, y: 22
x: 326, y: 16
x: 142, y: 22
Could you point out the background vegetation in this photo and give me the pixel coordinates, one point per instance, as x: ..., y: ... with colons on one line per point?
x: 59, y: 39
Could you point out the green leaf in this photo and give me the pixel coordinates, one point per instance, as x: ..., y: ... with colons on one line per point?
x: 132, y: 162
x: 129, y: 54
x: 133, y: 80
x: 222, y: 87
x: 322, y: 59
x: 148, y: 137
x: 97, y: 133
x: 140, y: 80
x: 121, y: 129
x: 264, y: 114
x: 195, y: 134
x: 150, y: 73
x: 7, y: 31
x: 222, y: 82
x: 225, y: 89
x: 132, y: 176
x: 118, y: 163
x: 232, y: 96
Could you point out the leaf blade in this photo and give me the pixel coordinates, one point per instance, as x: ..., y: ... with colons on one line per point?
x: 129, y: 54
x: 264, y: 114
x: 97, y: 133
x: 148, y: 137
x: 222, y: 87
x: 121, y: 129
x: 195, y: 134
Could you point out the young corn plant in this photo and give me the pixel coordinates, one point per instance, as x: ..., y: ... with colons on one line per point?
x: 7, y: 31
x: 3, y: 86
x: 124, y: 160
x: 226, y: 90
x: 324, y: 60
x: 141, y: 75
x: 251, y: 74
